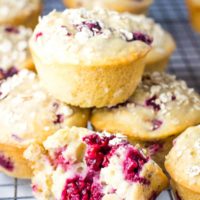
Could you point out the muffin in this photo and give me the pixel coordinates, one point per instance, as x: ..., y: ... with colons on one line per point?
x: 183, y: 165
x: 21, y: 12
x: 89, y: 58
x: 14, y: 51
x: 156, y: 110
x: 92, y: 165
x: 194, y: 13
x: 133, y: 6
x: 29, y: 114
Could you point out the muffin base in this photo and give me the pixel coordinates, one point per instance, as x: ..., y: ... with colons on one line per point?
x: 123, y: 121
x: 183, y: 193
x: 157, y: 65
x: 194, y: 14
x: 136, y: 8
x: 157, y: 61
x: 28, y: 19
x: 91, y: 86
x: 18, y: 166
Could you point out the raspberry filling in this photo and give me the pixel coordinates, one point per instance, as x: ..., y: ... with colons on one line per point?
x: 8, y: 73
x: 16, y: 138
x: 11, y: 29
x: 99, y: 151
x: 133, y: 164
x: 79, y: 188
x: 151, y: 102
x: 94, y: 27
x: 141, y: 37
x: 154, y: 148
x: 156, y: 124
x: 67, y: 33
x: 60, y: 160
x: 6, y: 163
x: 35, y: 188
x: 173, y: 97
x: 40, y: 34
x: 60, y: 118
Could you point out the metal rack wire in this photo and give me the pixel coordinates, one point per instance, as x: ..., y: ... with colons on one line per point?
x: 185, y: 63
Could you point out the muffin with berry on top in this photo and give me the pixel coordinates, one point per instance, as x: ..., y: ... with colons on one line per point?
x: 90, y: 58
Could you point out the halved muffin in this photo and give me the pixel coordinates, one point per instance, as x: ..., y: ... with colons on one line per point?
x: 87, y: 165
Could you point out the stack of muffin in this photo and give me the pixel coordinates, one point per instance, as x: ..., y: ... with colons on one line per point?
x: 104, y: 67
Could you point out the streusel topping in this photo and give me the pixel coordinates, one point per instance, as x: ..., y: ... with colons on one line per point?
x: 26, y: 107
x: 77, y: 34
x: 162, y: 92
x: 13, y: 46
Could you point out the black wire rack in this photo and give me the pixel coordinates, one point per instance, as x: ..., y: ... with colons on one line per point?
x: 185, y: 63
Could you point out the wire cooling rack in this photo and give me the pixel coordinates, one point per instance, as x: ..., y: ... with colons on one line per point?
x: 185, y: 63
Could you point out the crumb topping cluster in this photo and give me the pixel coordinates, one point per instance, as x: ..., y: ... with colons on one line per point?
x: 82, y: 24
x: 13, y: 46
x: 26, y: 105
x: 83, y: 32
x: 162, y: 92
